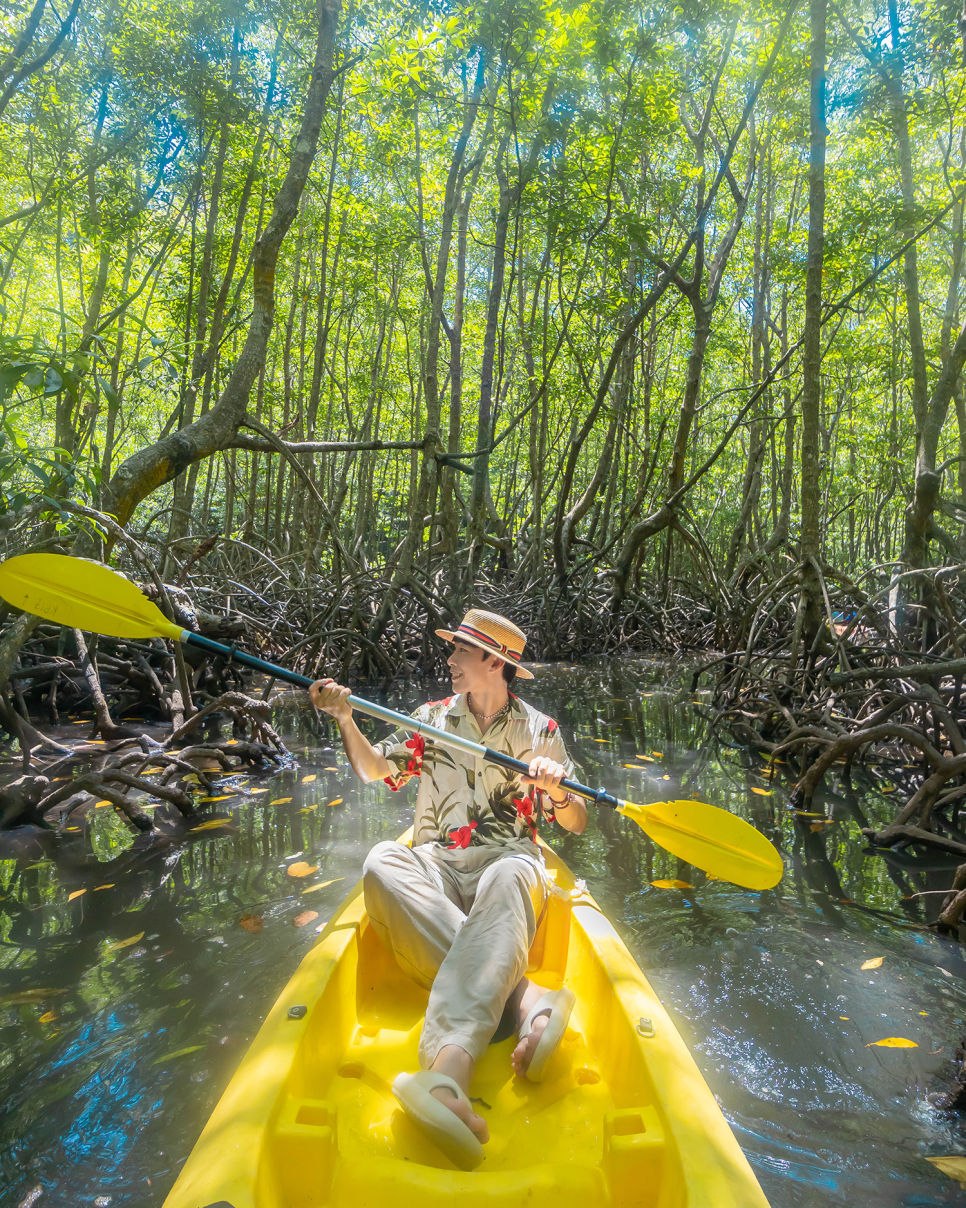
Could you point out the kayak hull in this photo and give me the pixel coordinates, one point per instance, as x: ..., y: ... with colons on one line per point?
x: 623, y: 1119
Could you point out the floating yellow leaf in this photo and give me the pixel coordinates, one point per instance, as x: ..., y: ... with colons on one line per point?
x: 110, y: 886
x: 892, y: 1042
x: 331, y: 768
x: 636, y: 766
x: 228, y: 798
x: 322, y: 885
x: 254, y: 791
x: 889, y: 788
x: 301, y: 869
x: 658, y: 754
x: 151, y: 771
x: 672, y: 885
x: 191, y: 778
x: 280, y: 801
x: 308, y: 779
x: 308, y: 809
x: 192, y: 1048
x: 815, y: 827
x: 874, y: 963
x: 334, y: 801
x: 306, y: 916
x: 48, y: 1017
x: 761, y: 792
x: 232, y: 742
x: 845, y: 1017
x: 131, y: 939
x: 251, y: 922
x: 806, y: 814
x: 98, y: 804
x: 923, y: 1012
x: 76, y: 894
x: 645, y: 758
x: 952, y: 1164
x: 212, y: 824
x: 603, y: 740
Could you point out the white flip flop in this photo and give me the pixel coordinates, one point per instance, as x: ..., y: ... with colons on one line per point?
x: 560, y: 1004
x: 415, y: 1095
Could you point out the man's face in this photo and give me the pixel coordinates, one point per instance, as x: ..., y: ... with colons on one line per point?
x: 469, y: 671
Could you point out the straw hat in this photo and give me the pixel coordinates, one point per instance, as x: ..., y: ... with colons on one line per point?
x: 492, y: 633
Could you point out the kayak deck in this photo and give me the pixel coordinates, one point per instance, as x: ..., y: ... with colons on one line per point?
x: 623, y: 1120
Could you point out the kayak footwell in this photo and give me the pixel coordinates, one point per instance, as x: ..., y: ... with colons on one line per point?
x: 623, y: 1119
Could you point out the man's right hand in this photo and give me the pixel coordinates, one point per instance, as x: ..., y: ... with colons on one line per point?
x: 331, y: 698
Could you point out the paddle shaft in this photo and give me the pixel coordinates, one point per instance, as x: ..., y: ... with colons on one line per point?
x: 443, y: 737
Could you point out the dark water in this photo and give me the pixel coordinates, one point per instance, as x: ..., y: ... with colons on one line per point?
x: 113, y: 1057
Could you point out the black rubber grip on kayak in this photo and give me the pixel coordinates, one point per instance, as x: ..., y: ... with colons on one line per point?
x: 247, y: 660
x: 596, y: 796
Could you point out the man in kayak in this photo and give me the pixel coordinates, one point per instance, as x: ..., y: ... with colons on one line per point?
x: 460, y: 908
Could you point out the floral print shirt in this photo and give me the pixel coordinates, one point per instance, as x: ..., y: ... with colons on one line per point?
x: 464, y: 802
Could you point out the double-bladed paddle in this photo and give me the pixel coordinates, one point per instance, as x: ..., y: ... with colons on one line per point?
x: 90, y: 596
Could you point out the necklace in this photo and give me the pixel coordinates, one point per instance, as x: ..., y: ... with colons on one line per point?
x: 487, y: 716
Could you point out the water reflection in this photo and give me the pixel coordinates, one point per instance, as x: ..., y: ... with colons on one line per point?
x: 124, y: 1011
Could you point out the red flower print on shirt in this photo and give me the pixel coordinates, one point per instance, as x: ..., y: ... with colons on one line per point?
x: 417, y: 744
x: 461, y: 836
x: 525, y: 810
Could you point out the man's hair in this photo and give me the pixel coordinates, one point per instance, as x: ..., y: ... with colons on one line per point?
x: 509, y: 671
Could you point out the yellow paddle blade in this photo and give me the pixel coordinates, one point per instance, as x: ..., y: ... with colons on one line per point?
x: 83, y: 595
x: 711, y: 839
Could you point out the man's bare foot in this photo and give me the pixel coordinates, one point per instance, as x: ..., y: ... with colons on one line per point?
x: 522, y: 1055
x: 457, y: 1064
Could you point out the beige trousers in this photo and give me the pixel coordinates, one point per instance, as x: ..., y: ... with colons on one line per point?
x: 460, y: 924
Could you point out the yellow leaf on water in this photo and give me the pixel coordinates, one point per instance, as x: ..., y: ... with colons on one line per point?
x: 48, y: 1017
x: 212, y: 824
x: 636, y: 766
x: 646, y: 758
x: 280, y: 801
x: 98, y: 804
x: 151, y: 771
x: 110, y: 886
x: 806, y: 814
x: 254, y: 791
x: 331, y: 768
x: 131, y: 939
x: 192, y: 1048
x: 308, y: 779
x: 228, y: 798
x: 952, y: 1164
x: 761, y: 792
x: 603, y: 740
x: 301, y: 869
x: 251, y: 922
x: 873, y: 963
x: 322, y: 885
x: 889, y: 788
x: 305, y: 917
x: 308, y: 809
x: 334, y: 801
x: 845, y: 1017
x: 232, y: 742
x: 658, y: 754
x: 815, y: 827
x: 672, y: 885
x: 76, y: 894
x: 191, y: 778
x: 892, y: 1042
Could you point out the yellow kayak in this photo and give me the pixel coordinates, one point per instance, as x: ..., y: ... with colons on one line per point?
x: 624, y: 1118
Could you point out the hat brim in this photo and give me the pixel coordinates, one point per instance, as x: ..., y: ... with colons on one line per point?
x: 449, y: 636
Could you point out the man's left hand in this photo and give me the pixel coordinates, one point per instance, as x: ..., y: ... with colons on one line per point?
x: 546, y: 774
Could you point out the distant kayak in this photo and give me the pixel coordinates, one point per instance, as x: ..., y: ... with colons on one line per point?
x: 623, y: 1119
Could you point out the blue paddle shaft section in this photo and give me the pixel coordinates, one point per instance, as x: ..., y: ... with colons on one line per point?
x: 443, y: 737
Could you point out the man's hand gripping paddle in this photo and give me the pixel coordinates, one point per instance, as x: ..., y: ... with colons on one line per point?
x: 90, y: 596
